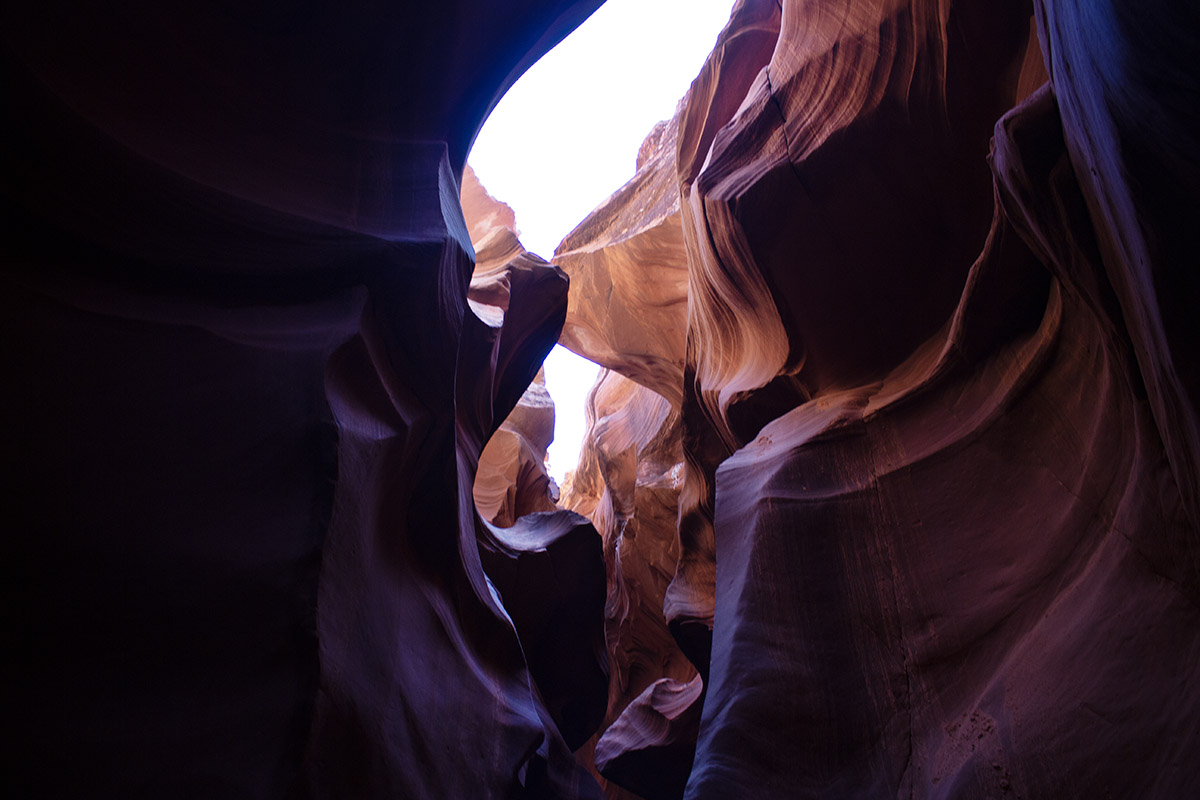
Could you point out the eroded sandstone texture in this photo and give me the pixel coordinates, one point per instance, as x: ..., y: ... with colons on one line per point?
x: 245, y: 396
x: 627, y: 483
x: 937, y: 519
x: 893, y: 475
x: 511, y: 480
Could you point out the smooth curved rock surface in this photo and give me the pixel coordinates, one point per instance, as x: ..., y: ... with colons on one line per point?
x: 649, y: 747
x: 857, y: 110
x: 548, y: 569
x: 511, y: 480
x: 741, y: 335
x: 628, y: 268
x: 924, y: 670
x: 241, y: 449
x: 1133, y: 130
x: 627, y: 483
x: 937, y: 524
x: 896, y: 492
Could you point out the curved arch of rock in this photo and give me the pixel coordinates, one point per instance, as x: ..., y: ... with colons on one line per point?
x: 892, y: 484
x: 249, y: 396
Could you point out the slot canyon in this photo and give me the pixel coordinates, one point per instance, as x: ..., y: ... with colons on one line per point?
x: 891, y: 480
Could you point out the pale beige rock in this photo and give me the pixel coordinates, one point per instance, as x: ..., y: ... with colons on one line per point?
x: 512, y: 480
x: 627, y: 483
x: 628, y: 301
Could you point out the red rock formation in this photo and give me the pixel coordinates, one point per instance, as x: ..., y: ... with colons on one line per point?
x: 916, y: 328
x: 966, y: 529
x: 627, y: 483
x: 543, y: 561
x: 511, y: 480
x: 629, y: 271
x: 627, y: 311
x: 247, y: 398
x: 939, y: 420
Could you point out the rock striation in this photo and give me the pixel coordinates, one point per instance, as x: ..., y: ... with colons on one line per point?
x: 627, y: 483
x: 936, y: 408
x: 511, y: 480
x: 247, y: 398
x: 630, y: 271
x: 545, y: 563
x: 892, y: 479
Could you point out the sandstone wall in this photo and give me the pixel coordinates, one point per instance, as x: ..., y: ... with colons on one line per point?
x: 892, y: 475
x: 245, y: 397
x: 933, y: 401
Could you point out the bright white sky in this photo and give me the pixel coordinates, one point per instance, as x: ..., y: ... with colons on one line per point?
x: 566, y: 136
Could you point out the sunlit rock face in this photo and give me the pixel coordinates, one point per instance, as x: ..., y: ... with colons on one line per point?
x: 245, y: 398
x: 512, y: 480
x: 892, y: 477
x: 545, y: 564
x: 627, y: 483
x: 936, y: 527
x: 628, y: 312
x: 629, y: 272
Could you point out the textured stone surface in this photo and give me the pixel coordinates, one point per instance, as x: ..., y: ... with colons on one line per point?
x: 511, y: 480
x: 937, y: 526
x: 627, y: 483
x: 545, y: 563
x: 650, y: 746
x: 629, y: 270
x: 965, y: 531
x: 247, y: 397
x: 1130, y: 126
x: 892, y: 480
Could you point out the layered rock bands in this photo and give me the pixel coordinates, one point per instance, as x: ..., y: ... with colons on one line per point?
x: 892, y: 483
x: 248, y: 381
x: 895, y: 298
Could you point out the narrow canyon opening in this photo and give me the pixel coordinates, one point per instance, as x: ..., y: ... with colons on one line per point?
x: 891, y: 483
x: 567, y: 135
x: 550, y: 177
